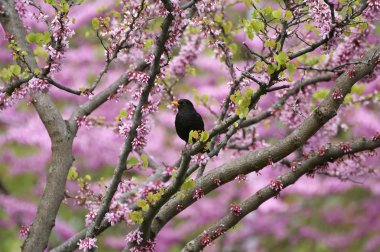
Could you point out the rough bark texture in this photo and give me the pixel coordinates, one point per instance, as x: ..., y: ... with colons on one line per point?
x: 61, y: 144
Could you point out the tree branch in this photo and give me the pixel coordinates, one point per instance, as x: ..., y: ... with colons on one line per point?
x: 62, y: 87
x: 127, y: 147
x: 61, y: 142
x: 8, y: 89
x: 253, y: 202
x: 257, y: 160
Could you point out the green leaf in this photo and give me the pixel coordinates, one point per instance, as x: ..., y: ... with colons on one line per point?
x: 154, y: 197
x: 15, y: 69
x: 268, y: 11
x: 143, y: 204
x: 276, y: 14
x: 36, y: 71
x: 288, y: 15
x: 257, y: 25
x: 320, y: 94
x: 25, y: 75
x: 73, y: 174
x: 272, y: 68
x: 5, y: 74
x: 95, y: 23
x: 269, y: 43
x: 204, y: 136
x: 249, y: 31
x: 136, y: 217
x: 31, y: 37
x: 190, y: 139
x: 144, y: 160
x: 358, y: 89
x: 148, y: 44
x: 348, y: 98
x: 39, y: 51
x: 116, y: 14
x: 132, y: 161
x: 188, y: 184
x: 281, y: 58
x: 247, y: 4
x: 122, y: 113
x: 65, y: 7
x: 194, y: 134
x: 291, y: 68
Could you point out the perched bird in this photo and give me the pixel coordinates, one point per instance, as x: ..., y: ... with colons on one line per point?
x: 187, y: 119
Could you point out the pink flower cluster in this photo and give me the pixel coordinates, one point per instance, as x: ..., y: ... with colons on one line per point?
x: 235, y: 209
x: 276, y: 184
x: 189, y: 52
x: 134, y: 237
x: 321, y: 16
x: 36, y: 84
x: 87, y: 244
x: 61, y: 33
x: 84, y: 121
x: 200, y: 159
x: 373, y: 10
x: 150, y: 246
x: 198, y: 194
x: 24, y: 231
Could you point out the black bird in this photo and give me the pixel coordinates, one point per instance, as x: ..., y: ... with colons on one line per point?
x: 187, y: 119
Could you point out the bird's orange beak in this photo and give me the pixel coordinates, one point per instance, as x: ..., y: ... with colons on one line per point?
x: 175, y: 103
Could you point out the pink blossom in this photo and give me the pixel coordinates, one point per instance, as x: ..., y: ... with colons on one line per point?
x: 198, y: 194
x: 236, y: 209
x: 276, y: 184
x: 87, y: 244
x: 90, y: 217
x: 241, y: 178
x: 84, y: 121
x: 321, y: 16
x: 205, y: 239
x: 200, y: 159
x: 134, y: 237
x: 337, y: 94
x: 24, y: 231
x: 169, y: 171
x: 346, y: 148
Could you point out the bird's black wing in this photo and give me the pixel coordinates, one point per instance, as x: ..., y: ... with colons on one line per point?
x: 186, y: 122
x: 198, y: 122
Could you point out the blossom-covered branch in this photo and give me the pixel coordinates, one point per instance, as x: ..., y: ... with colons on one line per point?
x: 255, y: 161
x: 61, y: 142
x: 127, y: 147
x: 253, y: 202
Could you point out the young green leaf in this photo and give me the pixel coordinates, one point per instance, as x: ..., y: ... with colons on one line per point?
x: 132, y: 161
x: 204, y: 136
x: 144, y: 160
x: 73, y: 174
x: 276, y: 14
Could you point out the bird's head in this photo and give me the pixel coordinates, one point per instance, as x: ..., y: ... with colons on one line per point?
x: 183, y: 104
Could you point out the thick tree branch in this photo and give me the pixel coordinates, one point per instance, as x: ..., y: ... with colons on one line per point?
x: 8, y: 89
x: 253, y: 202
x: 255, y: 161
x: 127, y: 147
x: 61, y: 142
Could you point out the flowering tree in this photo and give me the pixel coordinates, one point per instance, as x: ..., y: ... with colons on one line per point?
x: 287, y: 89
